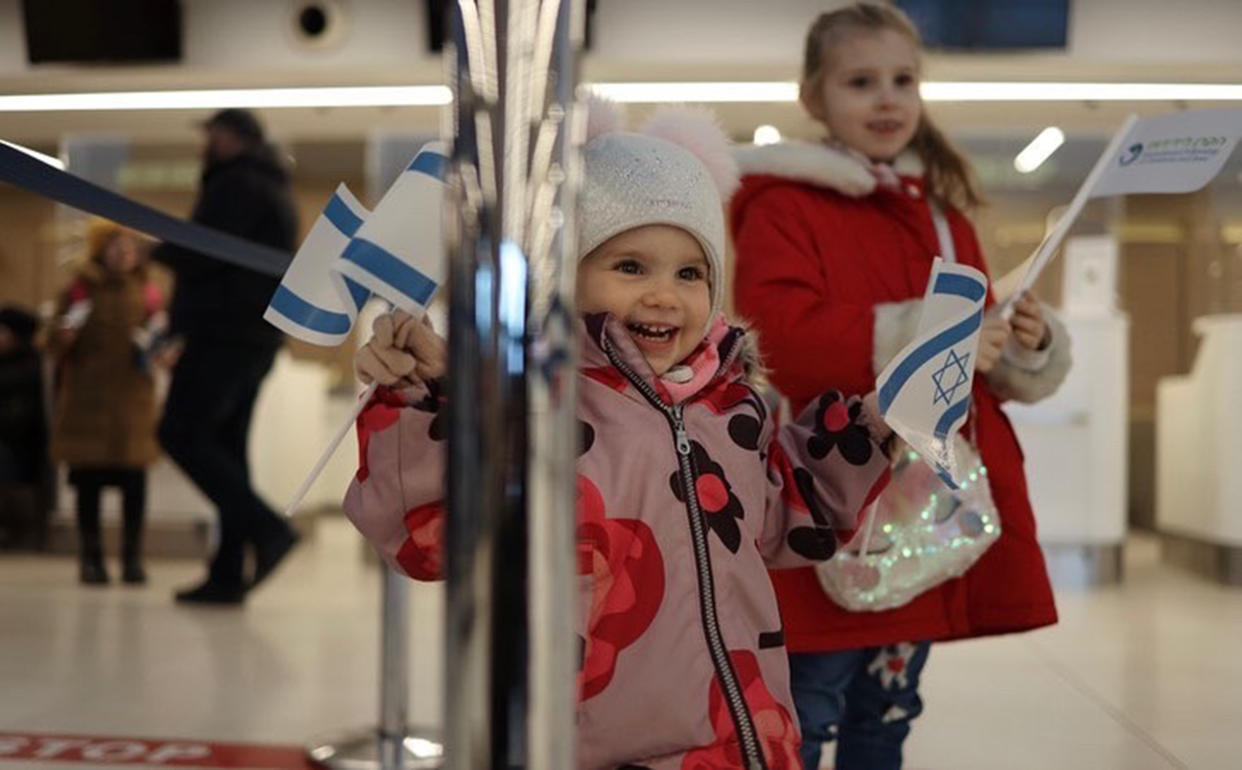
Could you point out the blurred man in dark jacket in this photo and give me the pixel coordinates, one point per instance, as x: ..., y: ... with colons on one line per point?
x: 217, y: 309
x: 26, y: 479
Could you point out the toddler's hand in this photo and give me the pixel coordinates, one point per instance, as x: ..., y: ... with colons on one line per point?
x: 1028, y: 322
x: 992, y: 338
x: 402, y: 352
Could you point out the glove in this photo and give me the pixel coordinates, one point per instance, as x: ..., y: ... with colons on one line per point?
x: 402, y: 352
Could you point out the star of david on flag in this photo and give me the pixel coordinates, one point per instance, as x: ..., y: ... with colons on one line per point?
x: 924, y: 392
x: 954, y: 369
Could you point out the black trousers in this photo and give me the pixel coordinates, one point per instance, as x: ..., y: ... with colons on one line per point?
x: 89, y: 482
x: 204, y: 430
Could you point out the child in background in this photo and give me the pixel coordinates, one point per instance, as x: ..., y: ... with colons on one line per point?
x: 105, y: 414
x: 834, y: 244
x: 687, y: 488
x: 24, y: 468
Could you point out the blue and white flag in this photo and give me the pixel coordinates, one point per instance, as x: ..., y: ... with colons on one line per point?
x: 398, y: 253
x: 314, y: 302
x: 924, y: 392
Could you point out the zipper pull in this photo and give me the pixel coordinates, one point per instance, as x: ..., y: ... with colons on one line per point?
x: 679, y: 428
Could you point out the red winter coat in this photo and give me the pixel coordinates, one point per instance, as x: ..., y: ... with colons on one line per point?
x: 830, y: 270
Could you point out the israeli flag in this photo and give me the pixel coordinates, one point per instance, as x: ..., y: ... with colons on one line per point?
x: 398, y: 253
x: 314, y: 303
x: 924, y: 392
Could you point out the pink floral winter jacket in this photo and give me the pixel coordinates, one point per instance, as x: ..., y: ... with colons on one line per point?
x: 682, y: 506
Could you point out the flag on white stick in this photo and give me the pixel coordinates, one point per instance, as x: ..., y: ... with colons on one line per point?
x: 924, y: 392
x: 398, y: 253
x: 1176, y: 153
x: 313, y: 302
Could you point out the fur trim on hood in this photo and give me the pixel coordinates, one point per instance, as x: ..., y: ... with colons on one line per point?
x: 820, y: 164
x: 748, y: 355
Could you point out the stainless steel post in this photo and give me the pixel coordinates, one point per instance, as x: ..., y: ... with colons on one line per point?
x: 393, y: 745
x: 394, y: 684
x: 505, y: 622
x: 555, y: 438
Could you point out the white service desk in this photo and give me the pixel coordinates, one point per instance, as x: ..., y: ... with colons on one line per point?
x: 1199, y: 456
x: 1075, y: 443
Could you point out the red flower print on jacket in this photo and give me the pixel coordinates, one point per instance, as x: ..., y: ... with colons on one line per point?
x: 774, y: 727
x: 725, y: 394
x: 380, y: 414
x: 384, y: 410
x: 626, y: 572
x: 608, y: 376
x: 422, y: 553
x: 720, y: 506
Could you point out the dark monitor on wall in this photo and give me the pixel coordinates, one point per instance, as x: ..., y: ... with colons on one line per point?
x: 96, y: 32
x: 986, y: 25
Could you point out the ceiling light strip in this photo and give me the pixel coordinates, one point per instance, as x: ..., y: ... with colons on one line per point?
x: 638, y: 93
x: 345, y: 96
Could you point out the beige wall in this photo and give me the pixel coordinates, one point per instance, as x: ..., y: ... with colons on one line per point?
x: 26, y: 264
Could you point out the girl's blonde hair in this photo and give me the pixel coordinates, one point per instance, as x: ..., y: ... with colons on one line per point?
x: 100, y: 233
x: 948, y: 173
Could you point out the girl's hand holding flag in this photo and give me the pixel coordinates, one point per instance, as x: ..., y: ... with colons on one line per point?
x: 402, y: 351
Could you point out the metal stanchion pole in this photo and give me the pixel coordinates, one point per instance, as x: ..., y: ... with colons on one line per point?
x: 393, y: 745
x: 555, y: 441
x: 485, y: 628
x: 394, y: 671
x: 509, y: 556
x: 509, y: 676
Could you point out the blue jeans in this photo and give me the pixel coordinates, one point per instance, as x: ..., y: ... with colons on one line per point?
x: 862, y: 699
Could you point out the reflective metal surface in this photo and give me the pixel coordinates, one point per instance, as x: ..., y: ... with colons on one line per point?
x: 511, y: 344
x: 393, y: 745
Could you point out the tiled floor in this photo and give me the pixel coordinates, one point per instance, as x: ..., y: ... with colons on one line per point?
x: 1140, y: 677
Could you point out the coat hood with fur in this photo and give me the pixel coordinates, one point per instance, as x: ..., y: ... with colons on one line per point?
x: 819, y: 164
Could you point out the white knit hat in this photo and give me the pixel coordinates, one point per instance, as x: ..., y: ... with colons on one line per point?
x: 677, y: 172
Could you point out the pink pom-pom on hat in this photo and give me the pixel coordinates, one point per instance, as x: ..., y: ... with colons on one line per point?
x: 603, y: 117
x: 696, y: 130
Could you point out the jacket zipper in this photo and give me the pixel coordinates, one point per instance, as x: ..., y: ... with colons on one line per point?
x: 738, y: 709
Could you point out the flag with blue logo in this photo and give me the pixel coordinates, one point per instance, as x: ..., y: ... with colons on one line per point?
x: 398, y: 252
x: 1175, y: 153
x: 314, y: 302
x: 924, y: 392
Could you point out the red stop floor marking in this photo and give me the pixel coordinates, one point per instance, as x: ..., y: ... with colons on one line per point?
x: 115, y: 751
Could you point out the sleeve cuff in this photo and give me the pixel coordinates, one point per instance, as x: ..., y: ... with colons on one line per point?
x: 1026, y: 359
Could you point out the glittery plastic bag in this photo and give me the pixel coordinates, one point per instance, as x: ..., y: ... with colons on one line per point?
x: 919, y: 533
